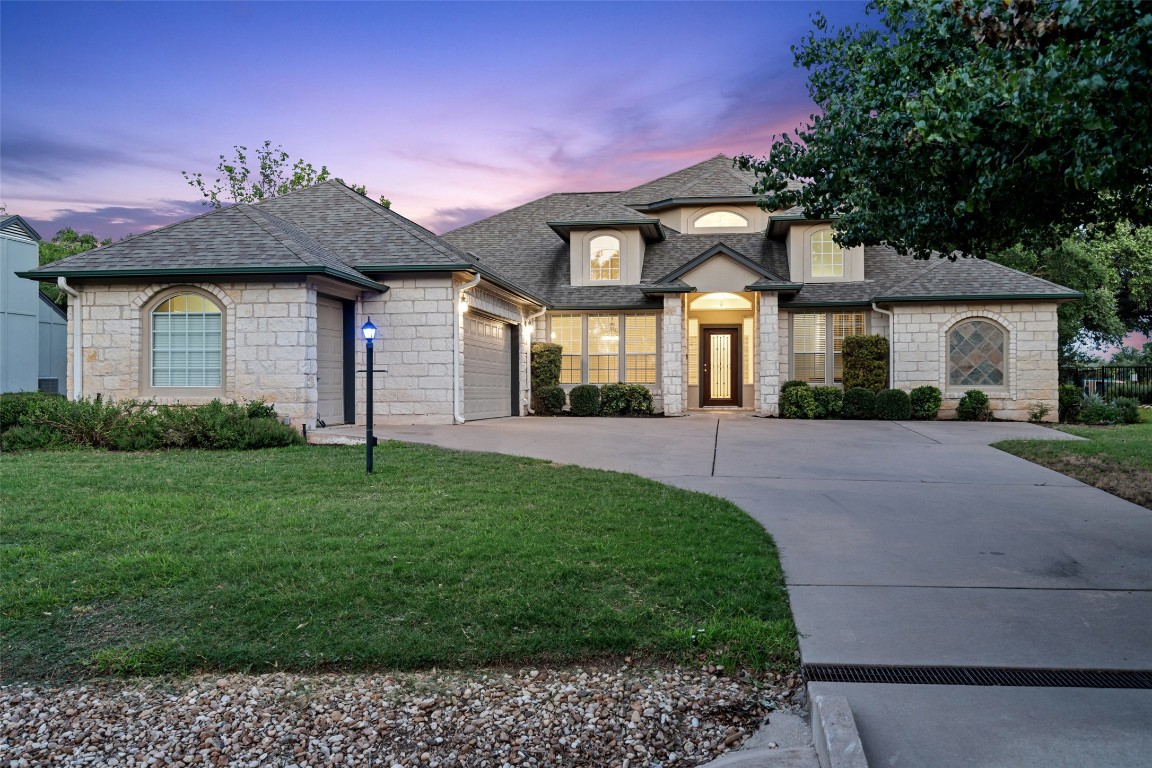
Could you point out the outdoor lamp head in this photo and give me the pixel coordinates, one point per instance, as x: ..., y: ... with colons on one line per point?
x: 368, y: 330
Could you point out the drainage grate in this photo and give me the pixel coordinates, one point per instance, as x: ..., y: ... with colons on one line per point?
x: 991, y: 676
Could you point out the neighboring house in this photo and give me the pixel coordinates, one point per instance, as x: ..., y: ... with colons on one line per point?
x: 682, y: 284
x: 32, y: 328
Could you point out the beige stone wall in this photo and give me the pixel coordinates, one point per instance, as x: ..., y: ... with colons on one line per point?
x: 769, y: 350
x: 921, y: 347
x: 673, y: 356
x: 269, y: 343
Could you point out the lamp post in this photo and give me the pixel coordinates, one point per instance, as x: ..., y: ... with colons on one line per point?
x: 369, y: 332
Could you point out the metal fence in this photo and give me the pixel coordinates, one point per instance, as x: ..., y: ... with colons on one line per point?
x: 1112, y: 381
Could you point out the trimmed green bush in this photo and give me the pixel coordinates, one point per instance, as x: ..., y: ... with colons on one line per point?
x: 131, y: 425
x: 925, y: 402
x: 625, y: 400
x: 585, y: 400
x: 1069, y: 402
x: 1127, y: 409
x: 791, y: 383
x: 1095, y: 410
x: 865, y: 362
x: 798, y: 403
x: 547, y: 360
x: 974, y: 407
x: 550, y: 400
x: 859, y: 403
x: 829, y: 402
x: 13, y: 405
x: 893, y: 405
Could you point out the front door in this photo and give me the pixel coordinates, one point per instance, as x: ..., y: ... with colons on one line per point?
x: 720, y: 366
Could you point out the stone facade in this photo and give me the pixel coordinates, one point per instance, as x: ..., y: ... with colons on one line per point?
x: 269, y: 346
x: 673, y: 357
x: 920, y: 352
x: 769, y: 351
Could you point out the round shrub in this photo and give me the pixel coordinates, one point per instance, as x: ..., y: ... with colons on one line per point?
x: 798, y: 403
x: 925, y: 402
x: 625, y: 400
x: 859, y: 403
x: 585, y: 400
x: 1094, y: 410
x: 549, y: 400
x: 1128, y: 409
x: 893, y: 405
x: 829, y: 402
x: 791, y: 383
x: 974, y: 407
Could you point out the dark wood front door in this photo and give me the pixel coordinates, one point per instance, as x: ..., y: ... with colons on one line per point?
x: 720, y: 366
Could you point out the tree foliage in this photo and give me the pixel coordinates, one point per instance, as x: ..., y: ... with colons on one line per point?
x: 964, y: 127
x: 67, y: 242
x: 272, y: 173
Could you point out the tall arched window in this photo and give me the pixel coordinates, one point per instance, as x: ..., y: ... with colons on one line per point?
x: 977, y: 354
x: 186, y: 330
x: 827, y: 257
x: 720, y: 219
x: 605, y: 258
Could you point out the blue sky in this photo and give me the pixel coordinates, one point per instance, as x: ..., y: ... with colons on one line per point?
x: 452, y: 110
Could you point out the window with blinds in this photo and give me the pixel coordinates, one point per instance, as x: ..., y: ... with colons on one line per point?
x: 603, y: 349
x: 567, y: 331
x: 818, y: 344
x: 186, y: 336
x: 640, y: 349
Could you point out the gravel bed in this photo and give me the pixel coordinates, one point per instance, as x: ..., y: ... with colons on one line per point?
x: 626, y: 716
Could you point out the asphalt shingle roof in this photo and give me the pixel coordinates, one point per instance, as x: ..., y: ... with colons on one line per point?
x: 715, y: 177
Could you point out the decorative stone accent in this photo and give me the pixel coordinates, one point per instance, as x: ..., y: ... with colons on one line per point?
x: 768, y: 350
x: 673, y: 354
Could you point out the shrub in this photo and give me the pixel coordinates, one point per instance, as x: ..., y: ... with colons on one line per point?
x: 1069, y: 402
x: 859, y: 403
x: 893, y: 405
x: 25, y: 438
x: 546, y: 363
x: 798, y: 403
x: 791, y: 383
x: 625, y: 400
x: 829, y: 402
x: 13, y: 405
x: 1127, y: 409
x: 549, y: 400
x: 925, y: 402
x: 1038, y: 411
x: 1095, y: 410
x: 585, y: 400
x: 865, y: 362
x: 1141, y: 391
x: 270, y: 433
x: 974, y: 407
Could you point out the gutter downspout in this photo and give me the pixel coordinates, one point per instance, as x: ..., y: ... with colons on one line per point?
x: 457, y: 343
x: 891, y: 344
x: 77, y: 351
x: 527, y: 320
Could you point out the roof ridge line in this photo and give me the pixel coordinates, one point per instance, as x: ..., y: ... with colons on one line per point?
x: 404, y: 223
x: 920, y: 273
x: 524, y: 205
x: 1020, y: 271
x: 279, y: 237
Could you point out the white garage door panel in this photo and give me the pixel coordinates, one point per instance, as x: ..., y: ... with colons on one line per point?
x: 487, y: 368
x: 330, y: 360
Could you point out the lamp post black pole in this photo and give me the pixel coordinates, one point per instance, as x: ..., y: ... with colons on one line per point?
x: 369, y: 332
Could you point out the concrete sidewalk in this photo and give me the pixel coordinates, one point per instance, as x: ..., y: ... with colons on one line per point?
x: 914, y: 543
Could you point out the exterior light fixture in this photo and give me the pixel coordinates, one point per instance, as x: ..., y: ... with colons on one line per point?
x: 463, y: 303
x: 369, y: 332
x: 611, y: 335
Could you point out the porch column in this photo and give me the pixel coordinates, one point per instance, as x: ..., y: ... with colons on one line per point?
x: 768, y: 351
x: 672, y: 357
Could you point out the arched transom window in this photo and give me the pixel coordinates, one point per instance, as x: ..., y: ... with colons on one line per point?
x: 827, y: 256
x: 721, y: 219
x: 186, y: 336
x: 605, y: 259
x: 976, y: 354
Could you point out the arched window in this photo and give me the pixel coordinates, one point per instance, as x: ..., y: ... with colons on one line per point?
x: 605, y: 258
x: 186, y: 331
x: 827, y: 257
x: 977, y: 354
x: 721, y: 219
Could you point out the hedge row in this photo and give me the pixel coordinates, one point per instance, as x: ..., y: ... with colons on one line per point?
x: 798, y: 400
x: 591, y: 400
x: 41, y: 422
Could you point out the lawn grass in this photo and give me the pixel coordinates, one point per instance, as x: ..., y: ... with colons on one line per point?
x: 1117, y: 459
x: 295, y: 559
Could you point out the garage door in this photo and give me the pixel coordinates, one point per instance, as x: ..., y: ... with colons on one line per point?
x: 330, y: 360
x: 487, y: 367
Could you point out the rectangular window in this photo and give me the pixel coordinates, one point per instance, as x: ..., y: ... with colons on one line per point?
x: 693, y: 352
x: 818, y: 344
x: 603, y: 349
x: 749, y: 350
x: 186, y: 349
x: 567, y: 331
x: 640, y: 349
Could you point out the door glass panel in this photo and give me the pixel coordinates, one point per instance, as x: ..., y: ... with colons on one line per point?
x: 720, y: 356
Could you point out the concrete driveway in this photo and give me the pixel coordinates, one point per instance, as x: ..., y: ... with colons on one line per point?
x: 914, y: 544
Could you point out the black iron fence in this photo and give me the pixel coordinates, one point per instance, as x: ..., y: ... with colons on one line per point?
x: 1112, y: 381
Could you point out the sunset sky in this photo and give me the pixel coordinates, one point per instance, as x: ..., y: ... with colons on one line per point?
x: 452, y: 110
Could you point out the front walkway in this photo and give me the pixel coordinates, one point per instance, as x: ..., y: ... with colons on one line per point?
x: 914, y: 544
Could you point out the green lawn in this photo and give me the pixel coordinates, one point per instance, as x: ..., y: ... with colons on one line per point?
x: 294, y: 558
x: 1116, y: 459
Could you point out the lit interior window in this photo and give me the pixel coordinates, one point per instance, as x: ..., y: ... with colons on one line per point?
x: 721, y: 219
x: 827, y: 257
x: 605, y: 263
